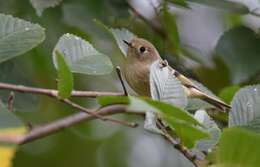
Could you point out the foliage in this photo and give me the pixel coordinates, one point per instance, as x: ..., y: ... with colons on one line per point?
x: 63, y: 34
x: 65, y: 78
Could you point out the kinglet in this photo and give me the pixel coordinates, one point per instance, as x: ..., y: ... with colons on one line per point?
x: 141, y: 54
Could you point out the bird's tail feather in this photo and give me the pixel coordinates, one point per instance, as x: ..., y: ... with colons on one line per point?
x: 211, y: 100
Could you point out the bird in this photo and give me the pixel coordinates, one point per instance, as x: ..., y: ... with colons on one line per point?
x: 141, y: 54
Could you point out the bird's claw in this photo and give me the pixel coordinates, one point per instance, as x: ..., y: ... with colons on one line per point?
x: 163, y: 63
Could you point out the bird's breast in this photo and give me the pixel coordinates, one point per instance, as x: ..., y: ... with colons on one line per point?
x: 137, y: 76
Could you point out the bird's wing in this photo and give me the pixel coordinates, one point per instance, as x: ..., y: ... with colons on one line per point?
x: 193, y: 91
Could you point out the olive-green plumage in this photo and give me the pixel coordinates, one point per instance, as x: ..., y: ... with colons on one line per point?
x: 140, y: 56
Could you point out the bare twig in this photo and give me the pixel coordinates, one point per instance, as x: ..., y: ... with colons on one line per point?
x: 58, y: 125
x: 119, y: 74
x: 187, y: 153
x: 94, y: 113
x: 52, y: 92
x: 154, y: 26
x: 11, y: 102
x: 86, y: 115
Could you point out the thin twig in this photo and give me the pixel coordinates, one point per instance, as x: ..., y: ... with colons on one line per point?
x: 11, y: 101
x: 60, y: 124
x: 119, y: 74
x: 154, y: 26
x: 52, y: 92
x: 94, y: 113
x: 187, y: 153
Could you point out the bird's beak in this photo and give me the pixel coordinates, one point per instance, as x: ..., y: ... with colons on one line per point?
x: 128, y: 43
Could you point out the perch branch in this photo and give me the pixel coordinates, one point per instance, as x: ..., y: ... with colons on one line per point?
x: 54, y: 93
x: 86, y: 115
x: 60, y: 124
x: 119, y: 74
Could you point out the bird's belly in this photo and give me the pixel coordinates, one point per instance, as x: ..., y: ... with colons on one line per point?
x: 138, y: 79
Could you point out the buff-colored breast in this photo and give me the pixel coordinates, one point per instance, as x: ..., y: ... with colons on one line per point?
x: 137, y: 76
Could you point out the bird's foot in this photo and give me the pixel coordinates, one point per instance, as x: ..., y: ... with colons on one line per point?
x: 163, y: 63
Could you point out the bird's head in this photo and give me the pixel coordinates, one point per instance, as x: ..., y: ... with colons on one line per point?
x: 141, y: 50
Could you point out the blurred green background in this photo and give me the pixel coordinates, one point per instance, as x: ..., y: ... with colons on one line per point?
x: 219, y: 47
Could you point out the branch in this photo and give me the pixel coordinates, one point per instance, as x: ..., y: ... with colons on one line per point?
x: 119, y: 74
x: 11, y: 101
x: 54, y: 93
x: 154, y: 26
x: 85, y: 115
x: 60, y: 124
x: 187, y: 153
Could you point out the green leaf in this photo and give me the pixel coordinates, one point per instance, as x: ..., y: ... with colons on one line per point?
x: 109, y: 100
x: 41, y: 5
x: 239, y: 48
x: 211, y: 127
x: 228, y: 93
x: 181, y: 3
x: 238, y: 147
x: 168, y: 110
x: 225, y: 5
x: 119, y: 35
x: 188, y: 134
x: 82, y: 57
x: 65, y: 77
x: 18, y: 36
x: 164, y: 86
x: 179, y: 120
x: 170, y: 25
x: 245, y: 107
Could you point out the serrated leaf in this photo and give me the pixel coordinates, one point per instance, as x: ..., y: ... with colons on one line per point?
x: 165, y: 87
x: 18, y: 36
x: 188, y: 134
x: 211, y: 127
x: 120, y: 35
x: 65, y: 77
x: 239, y: 48
x: 179, y: 120
x: 238, y: 147
x: 228, y: 93
x: 225, y: 5
x: 245, y: 107
x: 82, y: 57
x: 168, y: 110
x: 41, y: 5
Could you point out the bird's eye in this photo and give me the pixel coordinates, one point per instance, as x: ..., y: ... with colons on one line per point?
x: 142, y: 49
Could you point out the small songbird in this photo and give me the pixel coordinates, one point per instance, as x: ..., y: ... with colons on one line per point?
x: 141, y: 54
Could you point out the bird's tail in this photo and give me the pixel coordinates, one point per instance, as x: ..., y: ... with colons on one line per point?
x: 211, y: 100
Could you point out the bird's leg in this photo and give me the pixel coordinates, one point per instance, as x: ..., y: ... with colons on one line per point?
x: 163, y: 63
x: 150, y: 122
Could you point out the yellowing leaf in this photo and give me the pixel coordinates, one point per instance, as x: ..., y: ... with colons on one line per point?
x: 6, y: 155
